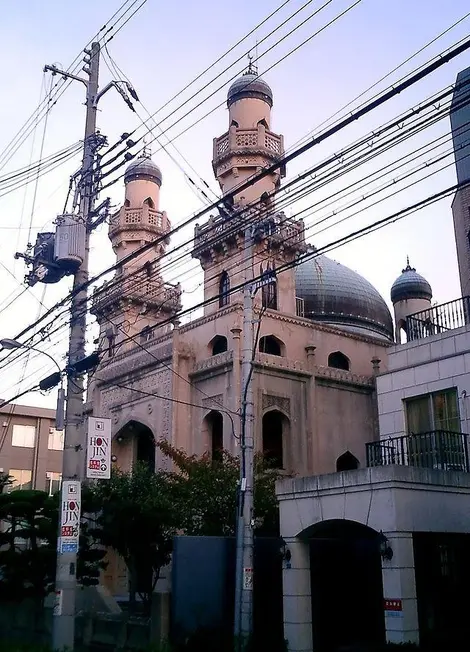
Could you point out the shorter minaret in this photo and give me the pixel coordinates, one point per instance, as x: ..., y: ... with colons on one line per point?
x: 410, y: 293
x: 137, y: 299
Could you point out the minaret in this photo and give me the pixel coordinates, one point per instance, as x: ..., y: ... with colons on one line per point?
x: 137, y: 297
x: 248, y: 147
x: 410, y: 293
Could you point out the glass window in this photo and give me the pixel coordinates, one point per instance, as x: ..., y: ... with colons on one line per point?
x: 56, y: 440
x: 24, y: 436
x: 21, y: 479
x: 53, y: 482
x: 438, y: 411
x: 224, y: 290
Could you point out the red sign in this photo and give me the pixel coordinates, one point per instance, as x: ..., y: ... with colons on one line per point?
x: 393, y: 605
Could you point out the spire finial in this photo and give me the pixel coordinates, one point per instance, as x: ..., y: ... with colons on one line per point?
x: 252, y: 67
x: 146, y: 153
x: 408, y: 267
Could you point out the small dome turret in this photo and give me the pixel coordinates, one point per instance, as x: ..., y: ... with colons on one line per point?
x: 410, y: 285
x: 143, y: 168
x: 249, y: 85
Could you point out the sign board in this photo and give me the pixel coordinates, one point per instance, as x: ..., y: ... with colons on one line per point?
x: 70, y: 516
x: 98, y: 458
x: 393, y: 607
x: 248, y: 579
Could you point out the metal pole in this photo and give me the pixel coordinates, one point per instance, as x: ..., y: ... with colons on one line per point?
x: 246, y: 493
x: 63, y: 633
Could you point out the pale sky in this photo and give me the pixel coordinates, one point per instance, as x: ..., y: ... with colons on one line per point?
x: 161, y: 49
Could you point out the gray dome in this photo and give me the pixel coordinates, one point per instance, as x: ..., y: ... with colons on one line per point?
x: 337, y: 295
x: 410, y: 285
x: 143, y: 168
x: 249, y: 85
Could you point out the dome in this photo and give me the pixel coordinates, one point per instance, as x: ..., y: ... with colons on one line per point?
x: 410, y: 285
x: 249, y: 85
x: 337, y: 295
x: 143, y: 168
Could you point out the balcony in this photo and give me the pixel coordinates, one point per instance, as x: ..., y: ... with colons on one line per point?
x: 218, y: 232
x: 138, y: 289
x: 438, y: 319
x: 438, y: 449
x: 237, y: 141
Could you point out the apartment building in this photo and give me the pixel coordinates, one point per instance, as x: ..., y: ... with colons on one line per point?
x: 30, y: 447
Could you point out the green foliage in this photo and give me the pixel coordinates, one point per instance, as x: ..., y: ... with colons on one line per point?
x: 207, y: 493
x: 28, y: 545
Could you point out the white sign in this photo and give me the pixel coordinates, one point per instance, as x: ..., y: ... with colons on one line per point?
x: 98, y: 458
x: 70, y: 516
x: 57, y: 603
x: 248, y: 579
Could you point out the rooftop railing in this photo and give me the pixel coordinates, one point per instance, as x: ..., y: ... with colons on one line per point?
x: 438, y: 319
x: 437, y: 449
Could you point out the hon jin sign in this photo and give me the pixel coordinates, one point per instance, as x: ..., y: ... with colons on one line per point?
x: 98, y: 464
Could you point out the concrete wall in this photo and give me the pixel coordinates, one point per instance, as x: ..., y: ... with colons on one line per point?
x: 421, y: 367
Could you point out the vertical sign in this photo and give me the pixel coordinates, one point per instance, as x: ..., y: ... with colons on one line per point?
x: 248, y: 579
x: 98, y: 464
x: 70, y: 516
x: 57, y: 611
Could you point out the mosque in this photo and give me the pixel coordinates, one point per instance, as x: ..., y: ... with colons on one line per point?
x: 323, y: 329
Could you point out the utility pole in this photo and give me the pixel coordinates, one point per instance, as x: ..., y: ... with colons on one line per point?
x: 245, y: 548
x: 63, y: 634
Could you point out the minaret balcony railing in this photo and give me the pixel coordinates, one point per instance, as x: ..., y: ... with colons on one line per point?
x: 144, y: 216
x: 138, y: 289
x: 238, y: 140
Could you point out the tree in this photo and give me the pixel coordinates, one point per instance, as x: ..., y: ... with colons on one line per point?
x: 138, y: 520
x: 207, y: 493
x: 28, y: 545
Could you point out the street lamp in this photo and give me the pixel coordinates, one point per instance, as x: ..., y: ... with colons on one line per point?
x: 46, y: 383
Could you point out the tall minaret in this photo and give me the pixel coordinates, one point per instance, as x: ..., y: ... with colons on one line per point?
x: 137, y: 297
x: 410, y: 293
x: 248, y: 147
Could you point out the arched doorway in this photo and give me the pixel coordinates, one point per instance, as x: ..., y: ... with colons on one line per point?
x: 135, y: 443
x: 274, y: 436
x: 346, y: 586
x: 347, y: 462
x: 214, y: 428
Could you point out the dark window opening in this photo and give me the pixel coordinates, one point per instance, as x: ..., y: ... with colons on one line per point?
x: 215, y: 425
x: 111, y: 345
x: 338, y: 360
x: 150, y: 203
x: 347, y: 462
x: 127, y: 203
x: 146, y: 334
x: 272, y: 439
x: 224, y: 290
x: 269, y: 295
x: 270, y: 344
x: 219, y: 344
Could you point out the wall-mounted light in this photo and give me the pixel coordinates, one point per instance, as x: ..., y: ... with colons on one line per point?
x: 113, y: 458
x: 386, y: 551
x: 285, y: 553
x: 119, y: 439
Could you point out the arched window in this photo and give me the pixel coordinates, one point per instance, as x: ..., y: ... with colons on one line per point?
x: 136, y: 444
x: 150, y: 203
x: 127, y: 203
x: 215, y: 429
x: 269, y: 295
x: 273, y: 439
x: 270, y: 344
x: 219, y: 344
x: 338, y: 360
x: 347, y: 462
x: 224, y: 290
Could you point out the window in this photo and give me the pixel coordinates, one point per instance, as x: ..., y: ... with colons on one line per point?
x: 21, y: 479
x: 24, y: 436
x: 56, y: 440
x: 146, y: 334
x: 53, y: 482
x: 338, y: 360
x: 269, y: 295
x: 150, y: 203
x: 273, y: 439
x: 437, y: 411
x: 219, y: 344
x: 347, y: 462
x: 215, y: 425
x: 111, y: 345
x: 224, y: 290
x: 270, y: 344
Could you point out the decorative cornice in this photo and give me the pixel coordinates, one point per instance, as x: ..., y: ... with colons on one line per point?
x: 344, y: 377
x: 137, y: 360
x: 217, y: 363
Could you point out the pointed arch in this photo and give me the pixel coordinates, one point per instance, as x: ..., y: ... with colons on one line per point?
x: 347, y: 462
x: 272, y: 345
x: 224, y: 289
x: 150, y: 203
x: 338, y: 360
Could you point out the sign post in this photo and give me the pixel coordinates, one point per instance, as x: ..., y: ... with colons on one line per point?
x: 98, y: 464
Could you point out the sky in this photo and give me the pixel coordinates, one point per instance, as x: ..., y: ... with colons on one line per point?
x: 161, y: 49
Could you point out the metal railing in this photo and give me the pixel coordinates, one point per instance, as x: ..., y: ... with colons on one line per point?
x: 438, y: 319
x: 438, y: 449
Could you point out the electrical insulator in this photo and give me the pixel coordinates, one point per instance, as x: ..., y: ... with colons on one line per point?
x: 69, y: 249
